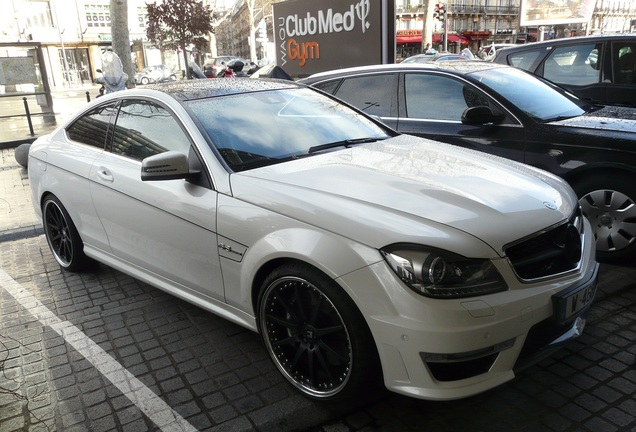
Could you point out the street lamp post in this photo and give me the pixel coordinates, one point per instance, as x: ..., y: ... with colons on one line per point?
x: 64, y: 62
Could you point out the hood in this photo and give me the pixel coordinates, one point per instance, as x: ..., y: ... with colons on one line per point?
x: 408, y: 189
x: 609, y: 118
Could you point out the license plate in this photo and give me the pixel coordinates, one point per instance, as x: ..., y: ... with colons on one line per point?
x: 570, y: 303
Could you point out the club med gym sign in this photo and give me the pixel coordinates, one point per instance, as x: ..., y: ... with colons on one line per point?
x: 318, y: 35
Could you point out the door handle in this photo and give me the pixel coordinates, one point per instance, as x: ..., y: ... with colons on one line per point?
x: 105, y: 175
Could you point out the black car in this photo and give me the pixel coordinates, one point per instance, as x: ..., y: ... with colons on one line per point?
x: 505, y: 111
x: 598, y: 68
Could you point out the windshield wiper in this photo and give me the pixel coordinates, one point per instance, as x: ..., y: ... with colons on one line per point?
x: 559, y: 118
x: 344, y: 143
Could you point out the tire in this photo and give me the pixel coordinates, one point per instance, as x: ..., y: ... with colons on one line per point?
x: 316, y: 336
x: 173, y: 77
x: 62, y: 236
x: 610, y: 205
x: 145, y: 80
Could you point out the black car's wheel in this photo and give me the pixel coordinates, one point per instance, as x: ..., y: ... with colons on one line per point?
x: 62, y: 236
x: 316, y: 336
x: 145, y: 80
x: 610, y: 205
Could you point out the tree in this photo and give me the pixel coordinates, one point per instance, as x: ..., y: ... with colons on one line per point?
x: 428, y: 23
x: 121, y: 36
x: 175, y: 24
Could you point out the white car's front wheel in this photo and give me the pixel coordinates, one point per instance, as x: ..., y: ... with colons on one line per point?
x: 316, y: 336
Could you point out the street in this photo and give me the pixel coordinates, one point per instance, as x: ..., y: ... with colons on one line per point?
x: 102, y: 351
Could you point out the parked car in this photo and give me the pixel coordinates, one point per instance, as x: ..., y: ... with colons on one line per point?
x: 425, y: 58
x: 600, y: 69
x: 360, y: 255
x: 155, y: 74
x: 505, y: 111
x: 212, y: 67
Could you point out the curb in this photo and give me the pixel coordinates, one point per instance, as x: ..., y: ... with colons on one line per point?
x: 21, y: 233
x: 16, y: 143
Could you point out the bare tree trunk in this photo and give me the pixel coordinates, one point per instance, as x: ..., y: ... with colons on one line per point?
x: 121, y: 36
x: 188, y: 73
x: 427, y: 23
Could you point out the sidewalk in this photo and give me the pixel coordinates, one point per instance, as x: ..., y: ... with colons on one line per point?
x: 15, y: 131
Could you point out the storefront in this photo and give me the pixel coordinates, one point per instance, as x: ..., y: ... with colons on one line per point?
x: 409, y: 42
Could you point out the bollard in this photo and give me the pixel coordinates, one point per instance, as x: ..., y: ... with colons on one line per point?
x: 88, y: 96
x: 28, y: 115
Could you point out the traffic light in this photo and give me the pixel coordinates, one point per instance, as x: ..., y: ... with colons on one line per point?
x: 439, y: 12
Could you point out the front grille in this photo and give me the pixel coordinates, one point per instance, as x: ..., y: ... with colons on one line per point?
x: 550, y: 252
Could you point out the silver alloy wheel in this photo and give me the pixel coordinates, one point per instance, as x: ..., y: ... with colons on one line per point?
x: 58, y: 234
x: 306, y: 336
x: 613, y: 218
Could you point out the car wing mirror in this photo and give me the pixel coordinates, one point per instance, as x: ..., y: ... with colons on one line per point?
x: 170, y: 165
x: 480, y: 115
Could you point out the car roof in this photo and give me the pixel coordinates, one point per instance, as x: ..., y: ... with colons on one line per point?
x: 570, y: 40
x: 186, y: 90
x: 456, y: 67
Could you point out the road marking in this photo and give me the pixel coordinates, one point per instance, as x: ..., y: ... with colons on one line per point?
x: 149, y: 403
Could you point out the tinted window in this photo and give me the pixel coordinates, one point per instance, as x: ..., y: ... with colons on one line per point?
x: 144, y: 128
x: 374, y: 94
x: 523, y: 60
x: 574, y: 65
x: 92, y: 127
x: 329, y: 86
x: 439, y: 98
x: 623, y: 54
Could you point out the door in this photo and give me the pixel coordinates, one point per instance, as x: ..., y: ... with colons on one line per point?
x: 375, y: 94
x: 622, y: 89
x: 431, y: 106
x: 164, y: 229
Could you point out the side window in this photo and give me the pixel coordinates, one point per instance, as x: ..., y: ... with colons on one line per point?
x: 144, y: 129
x: 623, y: 54
x: 439, y: 98
x: 523, y: 60
x: 373, y: 94
x: 574, y: 65
x: 328, y: 87
x: 92, y: 128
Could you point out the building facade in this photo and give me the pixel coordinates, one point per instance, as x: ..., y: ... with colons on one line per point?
x: 74, y: 33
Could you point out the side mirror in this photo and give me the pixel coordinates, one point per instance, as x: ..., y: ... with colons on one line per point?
x: 480, y: 115
x: 170, y: 165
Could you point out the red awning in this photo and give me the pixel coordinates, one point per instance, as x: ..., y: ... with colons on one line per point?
x: 416, y: 37
x: 477, y: 35
x: 408, y: 39
x: 454, y: 38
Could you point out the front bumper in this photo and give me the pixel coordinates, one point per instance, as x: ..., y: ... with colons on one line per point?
x: 450, y: 349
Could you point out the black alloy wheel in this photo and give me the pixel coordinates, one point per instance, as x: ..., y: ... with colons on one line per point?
x: 315, y: 335
x: 62, y: 236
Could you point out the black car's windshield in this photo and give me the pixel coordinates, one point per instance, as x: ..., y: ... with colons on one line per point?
x: 267, y: 127
x: 533, y: 96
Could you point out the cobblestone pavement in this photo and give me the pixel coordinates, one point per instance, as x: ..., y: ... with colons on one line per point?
x: 101, y: 351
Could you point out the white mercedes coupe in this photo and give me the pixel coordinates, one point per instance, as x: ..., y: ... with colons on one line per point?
x: 363, y: 257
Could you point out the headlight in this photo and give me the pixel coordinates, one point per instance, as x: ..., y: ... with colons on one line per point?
x: 441, y: 274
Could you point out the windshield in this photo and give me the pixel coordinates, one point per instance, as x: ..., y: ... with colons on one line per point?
x: 267, y: 127
x: 536, y: 98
